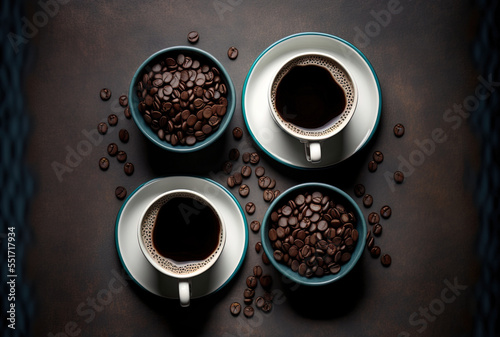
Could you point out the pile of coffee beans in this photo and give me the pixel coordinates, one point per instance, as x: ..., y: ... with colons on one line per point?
x: 263, y: 302
x: 313, y: 234
x: 182, y: 98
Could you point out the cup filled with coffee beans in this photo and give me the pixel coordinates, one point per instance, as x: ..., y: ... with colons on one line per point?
x: 313, y: 233
x: 182, y: 235
x: 312, y: 97
x: 182, y: 98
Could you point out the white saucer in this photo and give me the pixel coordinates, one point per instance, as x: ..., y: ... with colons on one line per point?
x: 144, y: 274
x: 283, y: 147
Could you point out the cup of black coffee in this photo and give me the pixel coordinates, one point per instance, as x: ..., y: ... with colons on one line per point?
x: 182, y: 235
x: 312, y: 97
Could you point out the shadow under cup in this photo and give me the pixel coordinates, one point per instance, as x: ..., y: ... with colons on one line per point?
x: 312, y: 97
x: 182, y: 235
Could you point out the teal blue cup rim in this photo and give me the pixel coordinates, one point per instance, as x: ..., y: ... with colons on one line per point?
x: 287, y: 271
x: 149, y: 133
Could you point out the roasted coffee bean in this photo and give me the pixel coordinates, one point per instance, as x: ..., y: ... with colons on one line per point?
x: 104, y: 163
x: 367, y: 200
x: 266, y: 281
x: 237, y: 133
x: 227, y: 167
x: 386, y: 260
x: 258, y: 247
x: 259, y: 302
x: 375, y: 251
x: 234, y: 154
x: 249, y: 293
x: 257, y: 271
x: 232, y: 53
x: 267, y: 306
x: 250, y: 208
x: 121, y: 192
x: 112, y: 149
x: 193, y: 36
x: 272, y: 184
x: 264, y: 182
x: 378, y: 157
x: 128, y: 168
x: 372, y: 166
x: 399, y: 177
x: 123, y: 100
x: 246, y: 157
x: 235, y: 308
x: 373, y: 218
x: 254, y: 158
x: 238, y: 178
x: 127, y: 113
x: 259, y: 171
x: 268, y: 195
x: 385, y: 212
x: 102, y: 128
x: 246, y: 171
x: 244, y: 190
x: 105, y: 94
x: 255, y: 226
x: 359, y: 190
x: 265, y: 259
x: 377, y: 229
x: 248, y: 311
x: 370, y: 242
x: 399, y: 130
x: 123, y: 135
x: 112, y: 119
x: 251, y: 282
x: 121, y: 156
x: 231, y: 181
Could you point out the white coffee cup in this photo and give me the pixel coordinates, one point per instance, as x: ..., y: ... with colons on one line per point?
x: 165, y: 240
x: 312, y: 137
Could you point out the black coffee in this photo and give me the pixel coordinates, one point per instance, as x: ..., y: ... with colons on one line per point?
x: 309, y: 97
x: 185, y: 231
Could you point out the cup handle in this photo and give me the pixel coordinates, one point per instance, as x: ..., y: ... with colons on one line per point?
x: 184, y: 292
x: 313, y: 152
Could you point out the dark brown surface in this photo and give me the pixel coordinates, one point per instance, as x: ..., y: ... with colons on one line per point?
x: 422, y: 58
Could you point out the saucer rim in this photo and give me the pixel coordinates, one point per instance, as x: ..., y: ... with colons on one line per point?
x: 263, y: 53
x: 152, y: 181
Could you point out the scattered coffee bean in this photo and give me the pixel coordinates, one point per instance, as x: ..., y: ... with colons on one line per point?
x: 254, y: 158
x: 246, y: 171
x: 267, y: 306
x: 234, y: 154
x: 367, y: 200
x: 265, y: 259
x: 370, y: 243
x: 264, y: 182
x: 112, y: 119
x: 255, y: 226
x: 123, y: 135
x: 259, y: 171
x: 377, y: 229
x: 121, y: 156
x: 231, y: 181
x: 373, y: 218
x: 237, y: 133
x: 128, y: 168
x: 127, y: 113
x: 193, y: 36
x: 235, y: 308
x: 385, y: 212
x: 227, y: 167
x: 399, y: 130
x: 123, y: 100
x: 232, y: 53
x: 268, y: 195
x: 378, y: 157
x: 266, y: 281
x: 372, y: 166
x: 112, y: 149
x: 257, y: 271
x: 246, y: 157
x: 258, y: 247
x: 375, y: 251
x: 259, y: 302
x: 359, y: 190
x: 250, y: 208
x: 272, y: 184
x: 386, y: 260
x: 244, y: 190
x: 104, y: 163
x: 399, y: 177
x: 249, y: 293
x: 120, y: 192
x: 102, y: 128
x: 251, y: 282
x: 248, y: 311
x: 105, y: 94
x: 238, y: 178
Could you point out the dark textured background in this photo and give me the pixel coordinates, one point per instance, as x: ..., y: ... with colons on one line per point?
x: 426, y: 63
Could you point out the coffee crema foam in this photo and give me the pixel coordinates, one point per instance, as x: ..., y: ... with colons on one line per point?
x: 147, y: 225
x: 339, y: 76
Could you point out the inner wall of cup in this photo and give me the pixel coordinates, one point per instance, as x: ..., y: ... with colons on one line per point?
x: 166, y: 264
x: 340, y: 76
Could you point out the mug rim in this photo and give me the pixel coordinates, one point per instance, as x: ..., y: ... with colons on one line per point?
x: 313, y: 138
x: 155, y: 263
